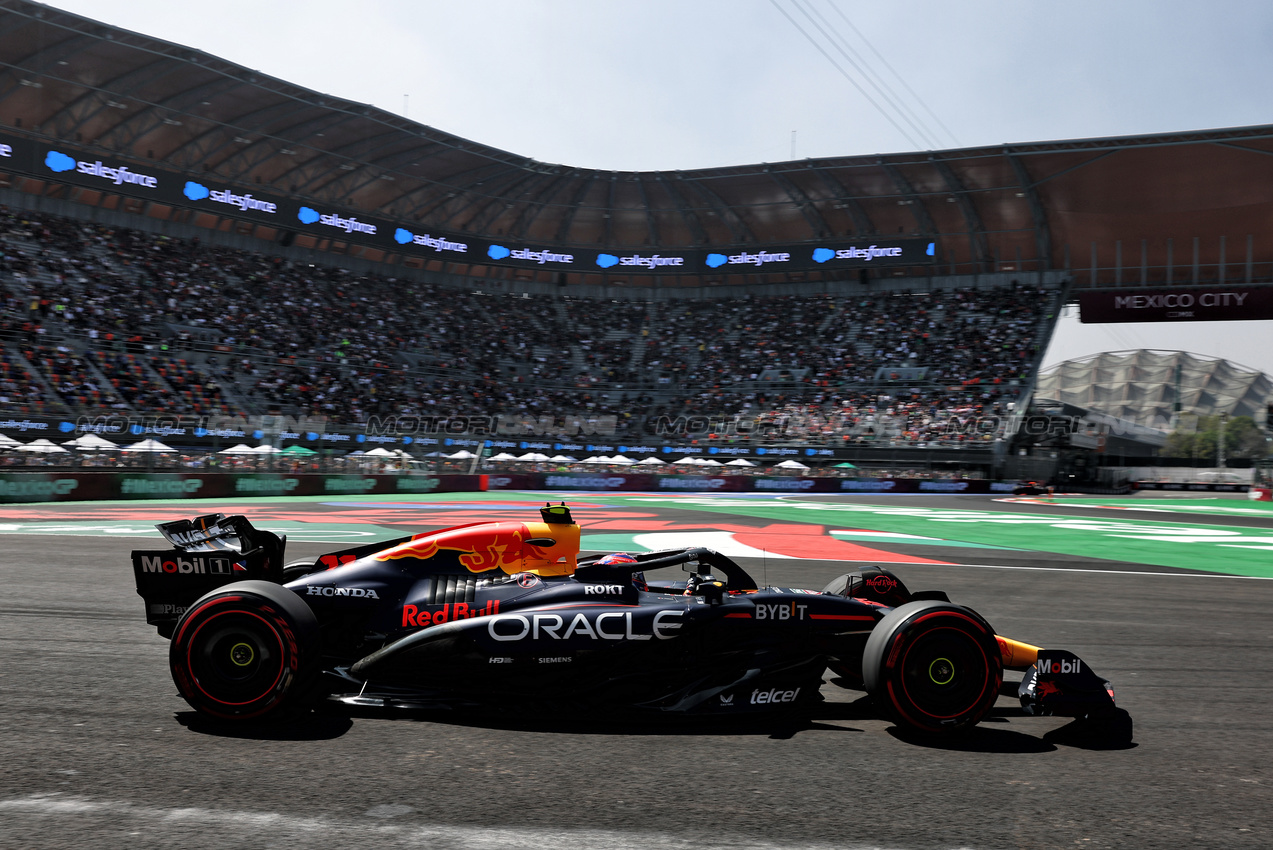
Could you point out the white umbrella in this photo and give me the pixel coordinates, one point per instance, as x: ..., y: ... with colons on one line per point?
x: 791, y: 464
x: 562, y: 459
x: 381, y: 451
x: 740, y: 462
x: 534, y: 457
x: 44, y: 446
x: 622, y: 461
x: 503, y: 456
x: 149, y: 445
x: 91, y: 443
x: 240, y: 449
x: 651, y: 461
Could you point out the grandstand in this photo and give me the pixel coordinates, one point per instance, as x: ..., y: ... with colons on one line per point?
x: 187, y: 237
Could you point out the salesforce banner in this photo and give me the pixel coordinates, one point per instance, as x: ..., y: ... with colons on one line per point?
x: 68, y: 164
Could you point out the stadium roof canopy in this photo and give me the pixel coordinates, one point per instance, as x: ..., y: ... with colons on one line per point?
x: 1010, y: 207
x: 1140, y: 386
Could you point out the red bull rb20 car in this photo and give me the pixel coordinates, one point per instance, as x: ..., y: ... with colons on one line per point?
x: 506, y: 613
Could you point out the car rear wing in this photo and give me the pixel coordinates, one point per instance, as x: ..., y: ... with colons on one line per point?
x: 208, y: 552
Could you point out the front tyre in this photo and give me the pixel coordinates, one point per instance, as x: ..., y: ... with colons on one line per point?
x: 933, y: 667
x: 246, y: 651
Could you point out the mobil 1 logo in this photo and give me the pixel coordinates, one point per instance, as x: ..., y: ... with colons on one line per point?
x: 183, y: 564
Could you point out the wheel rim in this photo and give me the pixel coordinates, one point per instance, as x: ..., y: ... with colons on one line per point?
x: 236, y: 658
x: 944, y: 673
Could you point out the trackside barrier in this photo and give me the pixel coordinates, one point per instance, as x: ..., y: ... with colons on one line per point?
x: 93, y: 486
x: 1260, y: 494
x: 737, y: 483
x: 1191, y: 488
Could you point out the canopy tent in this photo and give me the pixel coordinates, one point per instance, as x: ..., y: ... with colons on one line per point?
x: 298, y: 451
x: 534, y: 457
x: 503, y: 456
x: 688, y: 461
x: 381, y: 451
x: 149, y: 445
x: 622, y: 461
x: 240, y: 449
x: 42, y: 446
x: 740, y: 462
x: 710, y: 462
x: 791, y: 464
x: 597, y: 459
x: 563, y: 459
x: 846, y: 465
x: 651, y: 461
x: 7, y: 442
x: 91, y: 443
x: 462, y: 454
x: 265, y: 449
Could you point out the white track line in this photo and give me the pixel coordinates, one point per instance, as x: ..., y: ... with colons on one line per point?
x: 1090, y: 570
x: 382, y: 825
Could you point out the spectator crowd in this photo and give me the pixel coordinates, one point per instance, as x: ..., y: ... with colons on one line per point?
x: 106, y: 318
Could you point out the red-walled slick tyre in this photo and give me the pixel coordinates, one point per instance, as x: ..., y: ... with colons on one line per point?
x: 246, y: 651
x: 933, y: 667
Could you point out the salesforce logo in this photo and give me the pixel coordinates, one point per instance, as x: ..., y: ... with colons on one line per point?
x: 404, y: 237
x: 760, y: 258
x: 196, y: 191
x: 871, y: 252
x: 608, y: 260
x: 59, y: 162
x: 308, y: 215
x: 499, y: 252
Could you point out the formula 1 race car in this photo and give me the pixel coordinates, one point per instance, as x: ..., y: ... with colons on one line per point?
x: 506, y: 614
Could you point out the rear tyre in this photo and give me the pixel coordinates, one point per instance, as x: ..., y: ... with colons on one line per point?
x: 933, y: 667
x: 246, y: 651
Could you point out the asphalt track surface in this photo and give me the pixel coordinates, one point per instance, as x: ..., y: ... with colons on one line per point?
x: 97, y: 749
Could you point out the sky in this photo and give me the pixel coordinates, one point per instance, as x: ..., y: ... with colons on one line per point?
x: 682, y: 84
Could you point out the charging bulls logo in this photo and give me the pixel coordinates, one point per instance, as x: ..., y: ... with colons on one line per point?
x: 493, y: 546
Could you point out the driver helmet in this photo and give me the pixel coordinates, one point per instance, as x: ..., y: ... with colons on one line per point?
x: 638, y: 579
